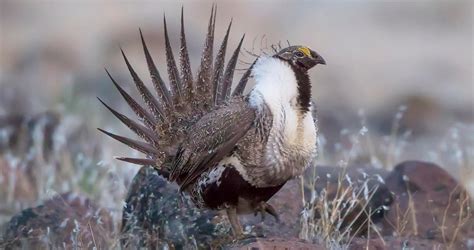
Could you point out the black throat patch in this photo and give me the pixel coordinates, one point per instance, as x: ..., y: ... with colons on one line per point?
x: 304, y: 88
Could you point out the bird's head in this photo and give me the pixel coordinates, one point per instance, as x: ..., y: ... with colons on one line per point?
x: 300, y: 57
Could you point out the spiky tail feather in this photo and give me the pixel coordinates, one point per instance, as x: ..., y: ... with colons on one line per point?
x: 172, y: 111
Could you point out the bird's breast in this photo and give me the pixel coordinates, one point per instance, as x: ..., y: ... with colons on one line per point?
x: 292, y: 142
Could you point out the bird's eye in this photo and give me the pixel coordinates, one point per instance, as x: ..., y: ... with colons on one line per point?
x: 299, y: 54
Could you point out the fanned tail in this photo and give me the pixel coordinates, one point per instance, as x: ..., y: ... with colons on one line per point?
x: 229, y: 74
x: 158, y: 83
x: 219, y: 68
x: 203, y: 95
x: 186, y: 72
x: 166, y: 117
x: 173, y: 75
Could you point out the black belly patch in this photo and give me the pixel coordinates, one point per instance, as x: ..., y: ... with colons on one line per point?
x: 231, y: 187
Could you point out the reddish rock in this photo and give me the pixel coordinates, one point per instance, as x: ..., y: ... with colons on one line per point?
x: 356, y: 194
x: 429, y: 204
x: 65, y: 221
x: 289, y: 201
x: 394, y: 243
x: 357, y: 243
x: 417, y: 113
x: 274, y: 243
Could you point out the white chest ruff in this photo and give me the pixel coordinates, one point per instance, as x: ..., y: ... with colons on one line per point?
x: 292, y: 141
x: 298, y: 130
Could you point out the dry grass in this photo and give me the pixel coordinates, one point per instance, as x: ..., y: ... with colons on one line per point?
x: 450, y: 233
x: 332, y: 215
x: 403, y: 218
x: 323, y: 214
x: 335, y: 215
x: 75, y: 167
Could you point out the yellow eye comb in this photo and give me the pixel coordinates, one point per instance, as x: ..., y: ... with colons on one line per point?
x: 305, y: 51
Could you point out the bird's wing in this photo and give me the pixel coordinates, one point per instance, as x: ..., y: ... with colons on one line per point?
x: 212, y: 138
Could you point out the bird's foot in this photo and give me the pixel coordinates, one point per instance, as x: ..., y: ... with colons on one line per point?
x: 234, y: 222
x: 263, y: 208
x: 244, y: 236
x: 248, y: 237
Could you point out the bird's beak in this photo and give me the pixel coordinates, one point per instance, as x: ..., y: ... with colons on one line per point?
x: 320, y: 60
x: 310, y: 62
x: 317, y: 59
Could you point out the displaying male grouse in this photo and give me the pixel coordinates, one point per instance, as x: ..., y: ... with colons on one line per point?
x: 225, y: 150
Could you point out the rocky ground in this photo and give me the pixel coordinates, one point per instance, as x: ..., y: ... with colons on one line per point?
x: 417, y: 205
x: 428, y: 210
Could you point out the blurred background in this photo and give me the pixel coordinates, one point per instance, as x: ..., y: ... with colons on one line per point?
x: 398, y: 83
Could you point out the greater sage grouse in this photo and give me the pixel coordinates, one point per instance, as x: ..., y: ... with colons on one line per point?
x: 226, y: 150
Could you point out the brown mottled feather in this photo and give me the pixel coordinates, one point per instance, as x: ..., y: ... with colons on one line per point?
x: 138, y: 161
x: 149, y: 99
x: 158, y: 84
x: 148, y: 119
x: 135, y: 144
x: 142, y: 131
x: 239, y: 90
x: 186, y: 73
x: 219, y: 67
x: 215, y: 133
x: 203, y: 84
x: 173, y: 75
x: 229, y: 74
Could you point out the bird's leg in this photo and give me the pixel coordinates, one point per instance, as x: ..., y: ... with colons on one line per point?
x: 234, y: 222
x: 263, y: 207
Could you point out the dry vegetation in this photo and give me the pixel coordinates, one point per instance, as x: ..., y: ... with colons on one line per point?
x: 410, y: 70
x: 46, y: 154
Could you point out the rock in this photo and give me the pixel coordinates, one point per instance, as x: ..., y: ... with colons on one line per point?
x: 288, y: 203
x: 356, y: 195
x: 429, y: 204
x: 273, y: 243
x: 155, y: 216
x: 394, y: 243
x: 327, y: 179
x: 65, y: 221
x: 420, y: 114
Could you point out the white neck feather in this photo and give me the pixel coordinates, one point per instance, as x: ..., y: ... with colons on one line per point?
x: 292, y: 136
x: 275, y: 83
